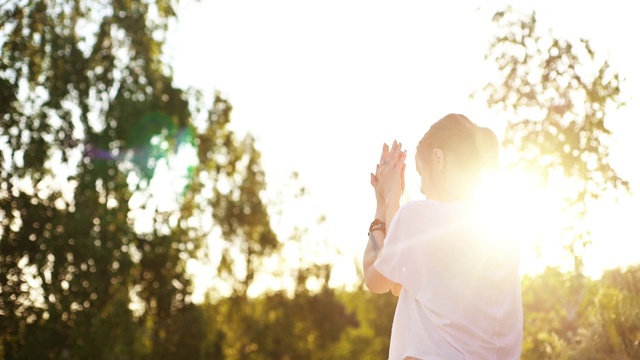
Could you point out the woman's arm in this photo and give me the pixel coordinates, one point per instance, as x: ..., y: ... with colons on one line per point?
x: 389, y: 184
x: 375, y: 281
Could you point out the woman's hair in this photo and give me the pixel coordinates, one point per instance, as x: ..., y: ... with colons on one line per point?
x: 474, y: 148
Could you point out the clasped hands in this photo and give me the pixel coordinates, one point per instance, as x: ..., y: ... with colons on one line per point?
x: 388, y: 181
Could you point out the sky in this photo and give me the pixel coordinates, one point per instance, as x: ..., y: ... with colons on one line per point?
x: 322, y: 85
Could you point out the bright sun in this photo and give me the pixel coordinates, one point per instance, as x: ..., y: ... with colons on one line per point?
x: 532, y: 212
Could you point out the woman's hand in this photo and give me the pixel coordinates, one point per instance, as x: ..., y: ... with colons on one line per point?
x: 389, y: 178
x: 374, y: 177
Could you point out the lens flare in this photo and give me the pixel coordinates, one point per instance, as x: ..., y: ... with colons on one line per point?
x: 160, y: 151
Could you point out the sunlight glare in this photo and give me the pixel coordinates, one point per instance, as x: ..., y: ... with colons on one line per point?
x: 515, y: 202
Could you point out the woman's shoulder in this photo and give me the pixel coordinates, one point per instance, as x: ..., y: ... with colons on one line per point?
x: 418, y: 204
x: 433, y: 209
x: 420, y: 207
x: 427, y: 205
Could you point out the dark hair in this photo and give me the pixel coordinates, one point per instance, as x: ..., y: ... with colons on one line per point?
x: 476, y: 148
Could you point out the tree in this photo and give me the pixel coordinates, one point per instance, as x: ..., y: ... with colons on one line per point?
x: 608, y: 316
x: 557, y: 95
x: 611, y: 317
x: 548, y: 334
x: 92, y: 256
x: 238, y: 209
x: 278, y: 325
x: 371, y: 337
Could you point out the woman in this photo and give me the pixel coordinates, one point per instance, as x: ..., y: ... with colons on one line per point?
x: 453, y: 267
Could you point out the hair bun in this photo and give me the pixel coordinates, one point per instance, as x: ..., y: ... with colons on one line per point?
x: 488, y: 148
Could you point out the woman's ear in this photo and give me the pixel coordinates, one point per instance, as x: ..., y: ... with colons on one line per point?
x: 438, y: 159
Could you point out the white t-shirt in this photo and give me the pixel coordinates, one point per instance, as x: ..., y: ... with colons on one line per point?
x: 459, y: 271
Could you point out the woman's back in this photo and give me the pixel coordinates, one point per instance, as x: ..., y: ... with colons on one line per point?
x: 461, y: 292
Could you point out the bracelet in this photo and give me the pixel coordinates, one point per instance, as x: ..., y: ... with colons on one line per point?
x: 377, y: 225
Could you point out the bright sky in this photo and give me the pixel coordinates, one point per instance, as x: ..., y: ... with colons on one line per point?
x: 321, y: 85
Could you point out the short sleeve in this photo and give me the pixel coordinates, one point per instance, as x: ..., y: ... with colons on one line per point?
x: 406, y: 246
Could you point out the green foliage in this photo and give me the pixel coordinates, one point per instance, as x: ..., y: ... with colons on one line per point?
x: 91, y: 264
x: 277, y: 326
x: 605, y: 325
x: 374, y: 314
x: 557, y: 95
x: 611, y: 317
x: 547, y: 327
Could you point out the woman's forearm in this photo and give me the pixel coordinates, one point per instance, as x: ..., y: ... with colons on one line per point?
x: 390, y: 210
x: 375, y: 281
x: 376, y: 240
x: 372, y: 251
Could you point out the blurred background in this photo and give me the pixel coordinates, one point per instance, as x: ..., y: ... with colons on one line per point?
x: 191, y: 179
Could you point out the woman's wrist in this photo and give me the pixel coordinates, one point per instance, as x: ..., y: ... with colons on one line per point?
x: 377, y: 231
x: 381, y: 209
x: 392, y: 203
x: 391, y: 207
